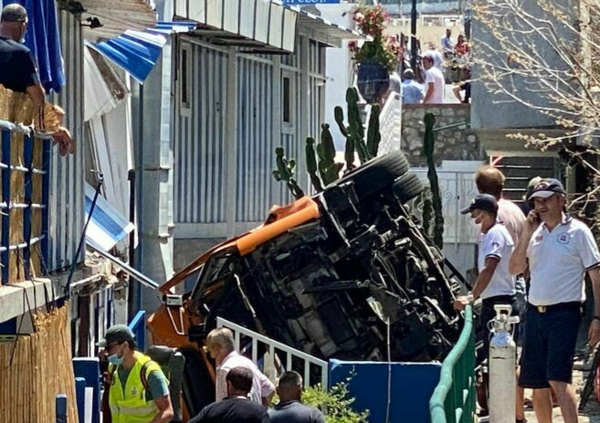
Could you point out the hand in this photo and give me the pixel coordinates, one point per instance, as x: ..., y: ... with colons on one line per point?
x: 533, y: 221
x: 60, y: 113
x: 461, y: 303
x: 594, y: 332
x: 66, y: 144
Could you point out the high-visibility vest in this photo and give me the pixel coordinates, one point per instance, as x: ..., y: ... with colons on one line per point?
x: 130, y: 406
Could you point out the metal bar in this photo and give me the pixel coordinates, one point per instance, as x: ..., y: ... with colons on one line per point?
x: 45, y: 197
x: 447, y: 397
x: 28, y: 159
x: 138, y: 327
x: 300, y: 354
x: 5, y: 236
x: 15, y: 247
x: 254, y: 349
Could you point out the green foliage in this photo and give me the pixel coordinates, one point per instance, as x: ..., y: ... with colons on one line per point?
x: 320, y: 157
x: 428, y: 152
x: 335, y: 404
x: 285, y: 172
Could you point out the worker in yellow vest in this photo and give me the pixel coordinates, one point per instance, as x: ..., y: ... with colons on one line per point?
x: 139, y: 390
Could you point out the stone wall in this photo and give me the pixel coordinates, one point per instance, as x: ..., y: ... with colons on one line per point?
x: 450, y: 144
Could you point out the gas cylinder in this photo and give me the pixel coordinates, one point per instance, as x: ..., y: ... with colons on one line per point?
x: 502, y: 362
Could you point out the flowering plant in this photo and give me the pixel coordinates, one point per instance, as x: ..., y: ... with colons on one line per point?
x: 384, y: 49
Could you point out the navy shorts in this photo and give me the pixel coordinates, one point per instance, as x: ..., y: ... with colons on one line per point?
x: 549, y: 345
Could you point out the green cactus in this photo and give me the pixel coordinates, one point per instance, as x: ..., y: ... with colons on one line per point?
x: 338, y: 114
x: 328, y: 168
x: 311, y: 164
x: 428, y: 152
x: 355, y: 126
x: 373, y: 134
x: 285, y: 172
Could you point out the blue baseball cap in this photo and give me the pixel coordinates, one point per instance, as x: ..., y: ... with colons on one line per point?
x: 485, y: 202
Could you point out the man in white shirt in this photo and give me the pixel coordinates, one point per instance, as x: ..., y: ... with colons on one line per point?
x: 434, y: 82
x: 559, y: 251
x: 220, y: 346
x: 438, y: 59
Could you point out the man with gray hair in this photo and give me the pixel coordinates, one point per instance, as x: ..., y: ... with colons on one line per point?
x: 18, y: 71
x: 290, y: 408
x: 220, y: 346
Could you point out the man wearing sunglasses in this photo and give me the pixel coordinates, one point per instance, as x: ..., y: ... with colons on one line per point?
x: 139, y: 391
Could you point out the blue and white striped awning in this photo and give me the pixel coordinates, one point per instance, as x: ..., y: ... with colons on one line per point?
x: 107, y: 226
x: 137, y: 52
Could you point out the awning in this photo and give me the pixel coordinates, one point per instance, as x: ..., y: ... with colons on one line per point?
x: 260, y: 26
x: 323, y: 30
x: 117, y: 16
x: 107, y: 226
x: 136, y: 52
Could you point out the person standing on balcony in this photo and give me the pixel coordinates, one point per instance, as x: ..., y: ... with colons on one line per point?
x: 139, y: 390
x: 290, y: 408
x: 434, y: 82
x: 559, y: 250
x: 221, y: 347
x: 18, y: 72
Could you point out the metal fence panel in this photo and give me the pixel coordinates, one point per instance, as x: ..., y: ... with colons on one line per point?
x: 453, y: 400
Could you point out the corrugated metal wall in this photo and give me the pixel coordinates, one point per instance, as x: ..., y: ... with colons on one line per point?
x: 256, y: 147
x: 200, y: 140
x: 199, y: 133
x: 66, y: 212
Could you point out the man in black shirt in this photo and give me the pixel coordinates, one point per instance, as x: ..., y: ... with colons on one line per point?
x: 290, y: 408
x: 18, y: 71
x: 236, y: 407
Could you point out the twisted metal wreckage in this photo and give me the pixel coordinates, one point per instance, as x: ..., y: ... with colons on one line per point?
x: 324, y: 275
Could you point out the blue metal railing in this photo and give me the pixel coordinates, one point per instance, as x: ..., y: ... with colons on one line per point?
x: 138, y: 327
x: 18, y: 238
x: 453, y: 400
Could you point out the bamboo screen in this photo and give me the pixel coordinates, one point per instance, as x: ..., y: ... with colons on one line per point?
x: 36, y: 368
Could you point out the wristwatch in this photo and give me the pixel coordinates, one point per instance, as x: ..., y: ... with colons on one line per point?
x: 596, y: 318
x: 471, y: 300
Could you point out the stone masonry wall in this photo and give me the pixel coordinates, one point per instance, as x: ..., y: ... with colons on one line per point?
x: 450, y: 144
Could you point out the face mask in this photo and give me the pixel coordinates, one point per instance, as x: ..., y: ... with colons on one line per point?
x: 115, y: 359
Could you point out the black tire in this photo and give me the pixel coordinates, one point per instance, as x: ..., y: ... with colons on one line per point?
x: 377, y: 174
x: 407, y: 187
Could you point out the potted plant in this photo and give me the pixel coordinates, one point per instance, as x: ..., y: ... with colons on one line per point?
x: 375, y: 59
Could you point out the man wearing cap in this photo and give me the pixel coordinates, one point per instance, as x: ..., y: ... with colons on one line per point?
x: 18, y: 71
x: 494, y: 284
x: 559, y: 250
x: 139, y: 391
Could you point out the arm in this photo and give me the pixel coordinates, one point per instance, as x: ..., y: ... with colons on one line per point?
x: 429, y: 93
x: 482, y: 282
x: 37, y: 95
x: 518, y: 260
x: 165, y: 410
x: 267, y: 390
x: 221, y: 385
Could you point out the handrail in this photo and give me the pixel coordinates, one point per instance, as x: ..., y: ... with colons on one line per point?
x: 450, y: 400
x: 257, y: 337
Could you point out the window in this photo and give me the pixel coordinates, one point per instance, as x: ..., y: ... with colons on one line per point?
x: 184, y: 77
x: 288, y: 100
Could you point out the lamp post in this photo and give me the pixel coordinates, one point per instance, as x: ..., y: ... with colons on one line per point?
x: 413, y: 36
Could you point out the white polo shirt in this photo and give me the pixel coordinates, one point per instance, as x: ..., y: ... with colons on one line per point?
x: 497, y: 243
x: 558, y: 261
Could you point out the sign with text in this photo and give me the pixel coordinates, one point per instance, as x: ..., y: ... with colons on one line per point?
x: 305, y: 2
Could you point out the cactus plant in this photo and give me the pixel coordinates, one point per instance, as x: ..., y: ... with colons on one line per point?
x: 285, y: 172
x: 320, y: 158
x: 428, y: 152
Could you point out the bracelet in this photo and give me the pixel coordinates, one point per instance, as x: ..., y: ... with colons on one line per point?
x: 471, y: 299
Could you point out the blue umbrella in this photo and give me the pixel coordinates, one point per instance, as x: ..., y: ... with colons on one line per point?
x: 43, y: 40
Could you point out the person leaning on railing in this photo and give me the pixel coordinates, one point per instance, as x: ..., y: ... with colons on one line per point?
x: 22, y: 98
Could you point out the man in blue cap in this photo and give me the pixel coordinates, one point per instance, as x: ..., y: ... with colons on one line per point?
x: 559, y: 251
